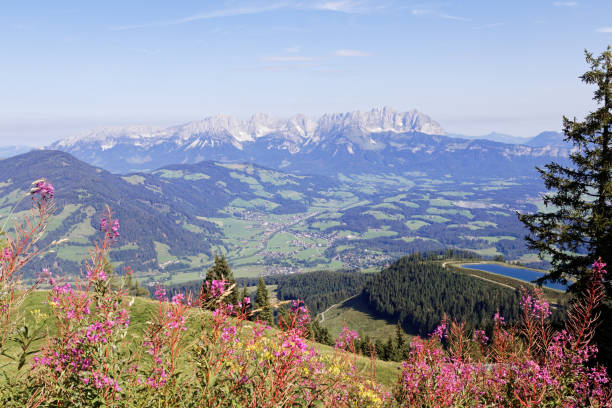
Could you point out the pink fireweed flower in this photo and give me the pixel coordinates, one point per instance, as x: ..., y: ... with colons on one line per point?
x: 44, y: 189
x: 498, y: 319
x: 535, y: 304
x: 228, y: 334
x: 96, y: 275
x: 441, y: 332
x: 294, y: 341
x: 216, y: 287
x: 7, y: 254
x: 103, y: 225
x: 178, y: 299
x: 346, y: 339
x: 480, y: 337
x: 300, y: 311
x: 599, y: 266
x: 160, y: 293
x: 115, y: 228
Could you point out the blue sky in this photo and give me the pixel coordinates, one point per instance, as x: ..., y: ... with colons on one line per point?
x: 474, y: 66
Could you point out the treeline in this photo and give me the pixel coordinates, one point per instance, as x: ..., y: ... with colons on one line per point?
x: 419, y: 293
x: 320, y: 290
x: 194, y: 287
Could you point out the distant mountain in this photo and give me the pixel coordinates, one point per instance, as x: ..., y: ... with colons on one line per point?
x: 10, y: 151
x: 164, y: 212
x: 496, y: 137
x: 377, y: 141
x: 548, y: 138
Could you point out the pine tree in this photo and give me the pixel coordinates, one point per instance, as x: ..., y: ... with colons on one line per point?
x: 262, y: 301
x: 389, y: 350
x: 399, y: 335
x: 578, y: 228
x: 221, y: 270
x: 319, y: 333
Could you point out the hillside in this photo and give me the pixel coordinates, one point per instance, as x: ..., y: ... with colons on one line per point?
x: 267, y: 221
x: 419, y: 293
x: 142, y: 311
x: 164, y: 215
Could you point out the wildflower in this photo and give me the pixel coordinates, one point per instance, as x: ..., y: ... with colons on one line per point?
x: 44, y: 189
x: 480, y: 337
x: 115, y: 228
x: 216, y: 287
x: 160, y: 293
x: 228, y: 333
x: 7, y: 254
x: 346, y: 339
x: 498, y: 319
x: 441, y: 331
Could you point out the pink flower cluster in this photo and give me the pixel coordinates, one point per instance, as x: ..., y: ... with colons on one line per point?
x: 7, y: 253
x: 530, y: 367
x: 216, y: 287
x: 101, y: 380
x: 44, y: 189
x: 441, y: 332
x: 114, y: 229
x: 536, y: 304
x: 346, y: 340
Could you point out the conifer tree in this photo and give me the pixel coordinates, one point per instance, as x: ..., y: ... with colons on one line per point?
x: 577, y: 229
x: 319, y: 333
x: 262, y: 302
x: 399, y: 335
x: 219, y: 271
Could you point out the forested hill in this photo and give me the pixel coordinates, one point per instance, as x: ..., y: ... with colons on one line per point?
x: 418, y: 293
x: 319, y: 290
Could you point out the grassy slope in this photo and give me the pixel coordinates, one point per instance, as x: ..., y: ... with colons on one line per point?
x: 357, y: 315
x: 142, y: 309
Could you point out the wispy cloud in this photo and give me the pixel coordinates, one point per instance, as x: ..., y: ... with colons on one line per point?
x: 230, y: 12
x: 293, y: 49
x: 565, y: 4
x: 604, y: 30
x: 424, y: 12
x: 349, y: 6
x: 289, y: 58
x: 351, y: 53
x: 22, y: 27
x: 488, y: 26
x: 341, y: 6
x: 148, y: 51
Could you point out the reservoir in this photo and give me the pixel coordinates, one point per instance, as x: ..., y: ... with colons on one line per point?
x: 526, y: 275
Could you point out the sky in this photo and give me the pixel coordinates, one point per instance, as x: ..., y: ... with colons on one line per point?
x: 473, y: 66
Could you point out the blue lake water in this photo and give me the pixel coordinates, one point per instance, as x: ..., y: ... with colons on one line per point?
x: 527, y: 275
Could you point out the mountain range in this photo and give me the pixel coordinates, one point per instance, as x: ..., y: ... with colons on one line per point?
x: 380, y: 140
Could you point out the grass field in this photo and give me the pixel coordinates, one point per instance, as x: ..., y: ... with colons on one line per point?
x: 140, y: 313
x: 355, y: 314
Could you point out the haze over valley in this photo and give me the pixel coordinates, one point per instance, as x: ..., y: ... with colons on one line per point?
x: 348, y: 191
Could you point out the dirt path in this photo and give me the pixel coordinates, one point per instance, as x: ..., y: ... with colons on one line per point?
x: 492, y: 281
x: 322, y: 314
